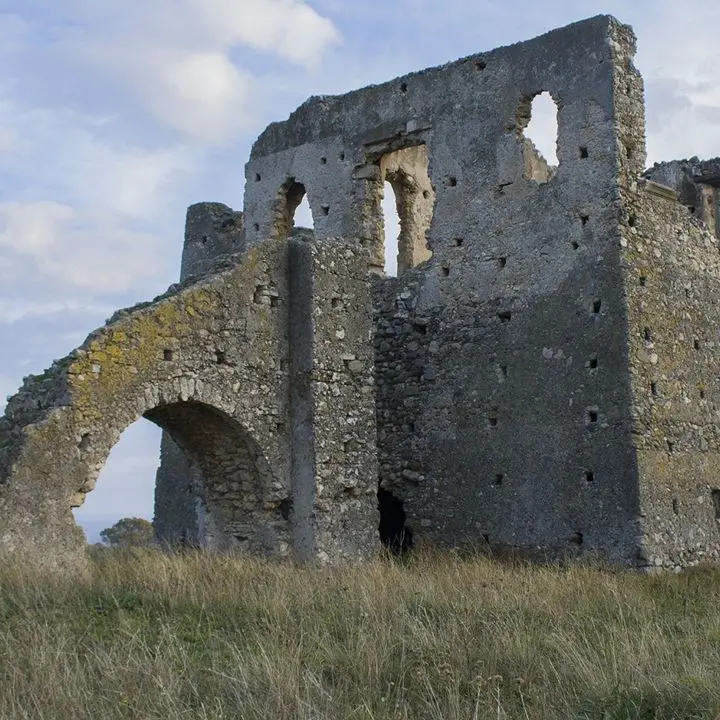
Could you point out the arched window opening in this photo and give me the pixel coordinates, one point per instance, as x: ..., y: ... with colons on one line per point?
x: 291, y: 209
x: 406, y: 172
x: 125, y: 487
x: 303, y: 215
x: 391, y: 229
x: 537, y: 123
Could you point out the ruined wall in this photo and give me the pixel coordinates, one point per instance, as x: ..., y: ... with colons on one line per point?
x: 697, y: 183
x: 501, y: 361
x: 209, y: 364
x: 672, y: 267
x: 213, y: 237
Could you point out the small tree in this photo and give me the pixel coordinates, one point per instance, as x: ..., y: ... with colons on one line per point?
x: 129, y: 532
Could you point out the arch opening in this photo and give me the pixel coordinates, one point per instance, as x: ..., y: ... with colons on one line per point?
x: 404, y: 183
x: 290, y: 206
x: 217, y: 494
x: 537, y: 125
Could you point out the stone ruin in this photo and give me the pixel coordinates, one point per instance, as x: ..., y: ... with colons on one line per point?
x: 543, y: 374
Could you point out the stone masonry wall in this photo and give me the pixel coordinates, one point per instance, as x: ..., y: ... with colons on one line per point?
x: 502, y: 360
x: 672, y: 268
x: 213, y: 237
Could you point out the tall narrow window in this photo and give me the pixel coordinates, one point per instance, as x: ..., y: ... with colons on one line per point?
x: 392, y: 230
x: 537, y: 124
x: 289, y: 206
x: 402, y: 238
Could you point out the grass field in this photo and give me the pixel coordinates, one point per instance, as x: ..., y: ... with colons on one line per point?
x: 197, y: 636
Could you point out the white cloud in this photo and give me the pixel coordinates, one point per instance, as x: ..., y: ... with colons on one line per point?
x: 75, y: 249
x: 174, y: 56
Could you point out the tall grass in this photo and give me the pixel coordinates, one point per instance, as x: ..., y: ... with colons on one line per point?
x: 149, y: 635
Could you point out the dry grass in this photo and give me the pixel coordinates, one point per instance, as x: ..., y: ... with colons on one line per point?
x: 197, y: 636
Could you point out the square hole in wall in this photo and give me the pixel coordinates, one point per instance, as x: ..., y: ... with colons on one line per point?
x: 584, y: 219
x: 167, y: 354
x: 445, y: 271
x: 323, y: 161
x: 592, y: 362
x: 452, y: 181
x: 501, y: 262
x: 498, y: 481
x: 458, y: 242
x: 583, y: 151
x: 596, y: 306
x: 325, y: 209
x: 258, y: 178
x: 589, y: 476
x: 492, y: 417
x: 643, y: 281
x: 654, y: 389
x: 505, y: 316
x: 574, y: 244
x: 591, y: 416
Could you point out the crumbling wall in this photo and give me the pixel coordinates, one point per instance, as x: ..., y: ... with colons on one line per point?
x: 214, y: 239
x: 672, y: 269
x: 697, y: 183
x: 501, y: 360
x: 210, y: 364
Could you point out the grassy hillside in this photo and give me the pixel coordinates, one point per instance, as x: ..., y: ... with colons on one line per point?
x: 197, y: 636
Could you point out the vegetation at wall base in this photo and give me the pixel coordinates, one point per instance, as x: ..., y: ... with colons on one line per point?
x: 194, y: 635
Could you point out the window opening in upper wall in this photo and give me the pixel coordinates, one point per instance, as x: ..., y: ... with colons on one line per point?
x: 391, y: 228
x: 538, y: 126
x: 291, y: 209
x: 402, y: 237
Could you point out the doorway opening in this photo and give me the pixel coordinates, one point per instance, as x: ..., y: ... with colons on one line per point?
x: 395, y: 535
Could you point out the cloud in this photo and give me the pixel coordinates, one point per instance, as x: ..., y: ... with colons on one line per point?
x: 175, y: 57
x: 77, y: 249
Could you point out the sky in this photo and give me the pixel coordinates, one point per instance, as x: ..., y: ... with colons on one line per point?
x: 115, y: 116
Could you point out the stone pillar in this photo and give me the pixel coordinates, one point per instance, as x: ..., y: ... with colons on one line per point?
x: 333, y: 429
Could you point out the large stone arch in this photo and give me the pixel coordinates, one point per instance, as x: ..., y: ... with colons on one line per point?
x: 207, y: 363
